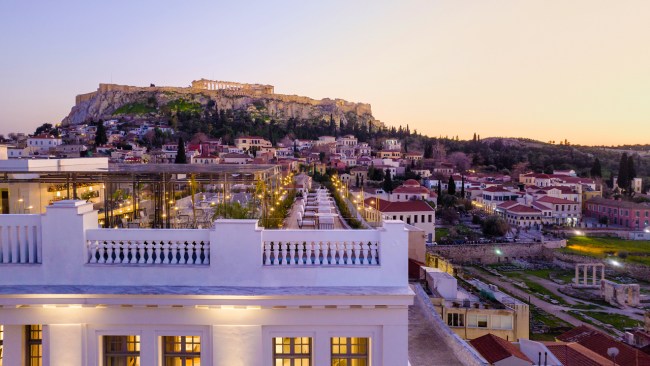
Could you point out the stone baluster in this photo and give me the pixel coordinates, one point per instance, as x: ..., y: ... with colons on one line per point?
x: 122, y: 255
x: 368, y: 251
x: 92, y: 251
x: 206, y: 253
x: 159, y: 252
x: 285, y: 248
x: 356, y: 246
x: 340, y: 248
x: 267, y: 253
x: 293, y: 248
x: 142, y: 247
x: 174, y: 250
x: 150, y: 251
x: 133, y: 251
x: 194, y: 254
x: 348, y: 253
x: 301, y: 252
x: 324, y: 252
x: 101, y: 247
x: 308, y: 251
x: 31, y: 244
x: 166, y: 245
x: 375, y: 253
x: 22, y: 245
x: 110, y: 252
x: 182, y: 251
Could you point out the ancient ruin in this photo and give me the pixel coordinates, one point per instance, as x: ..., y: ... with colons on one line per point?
x: 255, y: 89
x: 585, y: 267
x: 617, y: 294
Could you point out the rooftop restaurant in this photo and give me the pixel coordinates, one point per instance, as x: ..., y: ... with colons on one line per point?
x: 140, y: 195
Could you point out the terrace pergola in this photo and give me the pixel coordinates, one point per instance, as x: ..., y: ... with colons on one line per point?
x: 159, y: 183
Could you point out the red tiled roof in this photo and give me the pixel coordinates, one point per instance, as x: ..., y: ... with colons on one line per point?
x: 599, y: 342
x: 524, y: 209
x: 411, y: 182
x: 576, y: 355
x: 402, y: 189
x: 406, y: 206
x: 495, y: 189
x: 495, y: 349
x: 555, y: 200
x: 540, y: 207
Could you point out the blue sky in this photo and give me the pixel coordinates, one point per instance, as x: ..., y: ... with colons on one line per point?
x: 539, y: 69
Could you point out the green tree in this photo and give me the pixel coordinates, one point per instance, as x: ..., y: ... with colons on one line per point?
x: 181, y: 158
x: 495, y: 225
x: 388, y: 182
x: 623, y: 180
x: 100, y: 134
x: 596, y: 170
x: 451, y: 188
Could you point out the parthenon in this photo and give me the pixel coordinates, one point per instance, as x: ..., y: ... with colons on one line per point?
x: 205, y: 84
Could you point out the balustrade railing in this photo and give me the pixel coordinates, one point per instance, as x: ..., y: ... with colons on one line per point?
x: 148, y: 247
x: 320, y: 253
x: 20, y: 239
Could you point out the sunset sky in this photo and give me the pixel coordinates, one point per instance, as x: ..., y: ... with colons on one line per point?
x: 546, y: 70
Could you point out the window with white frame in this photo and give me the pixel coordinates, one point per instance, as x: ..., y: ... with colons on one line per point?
x: 292, y: 351
x: 181, y: 351
x: 350, y: 351
x: 501, y: 322
x: 122, y: 350
x: 477, y: 321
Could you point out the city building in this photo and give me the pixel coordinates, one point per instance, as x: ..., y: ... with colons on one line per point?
x: 417, y: 213
x: 233, y: 294
x: 475, y: 308
x: 250, y: 143
x: 625, y: 213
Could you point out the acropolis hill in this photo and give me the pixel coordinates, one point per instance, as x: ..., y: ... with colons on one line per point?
x: 105, y: 103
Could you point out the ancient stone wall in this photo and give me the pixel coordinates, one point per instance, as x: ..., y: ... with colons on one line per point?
x: 253, y: 89
x: 496, y: 253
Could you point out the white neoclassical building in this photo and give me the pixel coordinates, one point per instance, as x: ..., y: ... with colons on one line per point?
x: 235, y: 294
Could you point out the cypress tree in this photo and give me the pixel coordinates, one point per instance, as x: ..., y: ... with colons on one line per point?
x: 388, y: 182
x: 439, y: 188
x: 623, y: 180
x: 596, y: 170
x: 100, y: 134
x: 181, y: 158
x: 451, y: 189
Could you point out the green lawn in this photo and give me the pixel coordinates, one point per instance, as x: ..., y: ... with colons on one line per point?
x: 638, y: 250
x: 617, y: 320
x: 441, y: 232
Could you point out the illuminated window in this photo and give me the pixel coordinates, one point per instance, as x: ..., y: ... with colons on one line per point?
x: 350, y: 351
x: 34, y: 345
x: 292, y: 351
x: 182, y: 351
x: 122, y: 350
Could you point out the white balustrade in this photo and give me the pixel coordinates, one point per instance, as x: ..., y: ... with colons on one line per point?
x: 312, y: 252
x: 148, y: 247
x: 20, y: 239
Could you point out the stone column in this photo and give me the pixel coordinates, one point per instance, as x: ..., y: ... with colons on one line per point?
x: 64, y: 345
x: 577, y: 278
x: 13, y: 352
x: 593, y: 281
x: 586, y: 269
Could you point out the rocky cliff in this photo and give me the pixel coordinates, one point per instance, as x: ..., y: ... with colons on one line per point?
x: 113, y: 101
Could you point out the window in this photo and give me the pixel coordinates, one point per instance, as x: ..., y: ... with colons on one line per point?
x: 2, y: 329
x: 34, y: 345
x: 415, y: 219
x: 455, y: 320
x: 182, y: 351
x: 430, y: 218
x: 122, y: 350
x: 289, y: 351
x: 350, y: 351
x: 501, y: 322
x: 477, y: 321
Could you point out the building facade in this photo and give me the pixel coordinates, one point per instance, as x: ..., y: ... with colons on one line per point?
x: 234, y: 294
